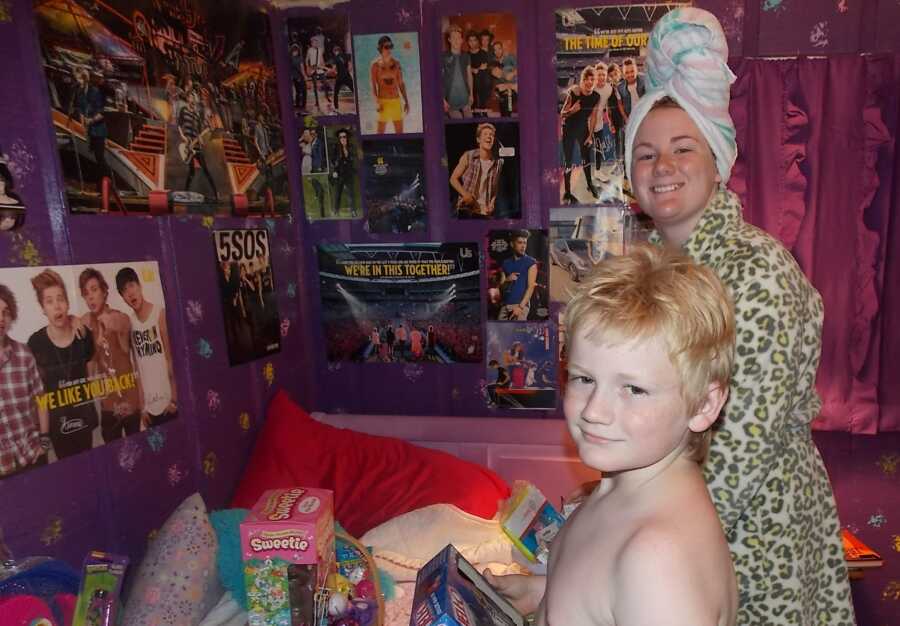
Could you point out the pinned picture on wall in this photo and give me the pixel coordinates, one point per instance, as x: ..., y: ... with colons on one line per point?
x: 173, y: 108
x: 600, y: 54
x: 12, y: 209
x: 521, y: 367
x: 412, y: 302
x: 93, y: 347
x: 483, y: 163
x: 581, y: 237
x: 395, y: 185
x: 479, y: 67
x: 390, y: 88
x: 329, y: 169
x: 321, y: 61
x: 247, y: 288
x: 517, y: 275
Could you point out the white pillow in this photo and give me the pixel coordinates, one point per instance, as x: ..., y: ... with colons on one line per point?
x: 403, y: 545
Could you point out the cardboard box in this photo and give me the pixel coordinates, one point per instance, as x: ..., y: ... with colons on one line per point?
x: 530, y: 521
x: 450, y: 592
x: 287, y: 543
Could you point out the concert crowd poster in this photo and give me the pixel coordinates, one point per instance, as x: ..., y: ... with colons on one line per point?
x: 12, y: 209
x: 247, y: 289
x: 81, y: 389
x: 517, y: 275
x: 600, y: 53
x: 395, y: 185
x: 479, y: 65
x: 164, y: 106
x: 474, y: 192
x: 390, y: 87
x: 521, y: 366
x: 321, y: 61
x: 329, y: 170
x: 409, y: 303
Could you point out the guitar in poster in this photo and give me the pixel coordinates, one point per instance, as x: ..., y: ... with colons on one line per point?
x: 163, y: 105
x: 247, y: 287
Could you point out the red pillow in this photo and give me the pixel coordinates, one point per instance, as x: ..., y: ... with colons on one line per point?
x: 373, y: 478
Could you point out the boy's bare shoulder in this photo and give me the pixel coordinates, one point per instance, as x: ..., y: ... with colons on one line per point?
x: 660, y: 579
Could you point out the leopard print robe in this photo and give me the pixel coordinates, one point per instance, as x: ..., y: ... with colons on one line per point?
x: 764, y: 472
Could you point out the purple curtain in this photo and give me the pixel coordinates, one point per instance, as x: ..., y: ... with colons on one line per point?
x: 816, y: 169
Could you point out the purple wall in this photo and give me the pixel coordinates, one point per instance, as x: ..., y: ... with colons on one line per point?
x: 114, y: 496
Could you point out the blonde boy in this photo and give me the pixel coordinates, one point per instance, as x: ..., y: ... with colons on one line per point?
x: 650, y: 356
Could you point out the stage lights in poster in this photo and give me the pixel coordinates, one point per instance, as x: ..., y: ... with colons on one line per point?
x: 581, y: 237
x: 412, y: 303
x: 321, y: 62
x: 600, y: 54
x: 329, y: 169
x: 517, y: 275
x: 81, y: 388
x: 483, y: 163
x: 479, y: 67
x: 521, y: 368
x: 395, y: 185
x: 247, y: 289
x: 390, y: 88
x: 164, y: 106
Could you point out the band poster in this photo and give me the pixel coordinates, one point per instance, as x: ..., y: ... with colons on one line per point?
x: 247, y: 288
x: 320, y: 56
x: 411, y: 303
x: 390, y: 87
x: 91, y: 349
x: 483, y: 163
x: 517, y: 275
x: 479, y: 68
x: 581, y: 237
x: 521, y: 367
x: 12, y: 209
x: 329, y: 169
x: 164, y: 105
x: 599, y: 75
x: 395, y: 185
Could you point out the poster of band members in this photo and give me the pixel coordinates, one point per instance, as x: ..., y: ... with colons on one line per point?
x: 247, y: 286
x: 483, y: 161
x: 164, y: 105
x: 320, y: 55
x: 599, y: 75
x: 479, y: 71
x: 390, y: 88
x: 521, y: 366
x: 414, y: 302
x: 395, y: 185
x: 581, y: 237
x: 329, y: 168
x: 12, y: 209
x: 89, y: 353
x: 517, y: 275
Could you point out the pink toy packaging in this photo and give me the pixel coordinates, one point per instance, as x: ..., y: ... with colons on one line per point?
x: 287, y: 543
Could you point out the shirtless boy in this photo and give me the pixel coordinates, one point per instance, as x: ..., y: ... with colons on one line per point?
x: 649, y: 363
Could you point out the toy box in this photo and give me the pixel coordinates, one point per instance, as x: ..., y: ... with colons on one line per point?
x: 530, y: 521
x: 287, y: 543
x: 450, y: 592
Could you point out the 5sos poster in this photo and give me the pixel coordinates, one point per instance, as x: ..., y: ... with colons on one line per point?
x: 247, y: 289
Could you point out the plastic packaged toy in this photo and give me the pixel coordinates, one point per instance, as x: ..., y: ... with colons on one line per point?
x: 101, y: 584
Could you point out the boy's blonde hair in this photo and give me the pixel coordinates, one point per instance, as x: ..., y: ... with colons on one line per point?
x: 650, y: 292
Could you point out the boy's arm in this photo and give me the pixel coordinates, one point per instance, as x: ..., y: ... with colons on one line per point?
x: 654, y: 584
x: 164, y: 331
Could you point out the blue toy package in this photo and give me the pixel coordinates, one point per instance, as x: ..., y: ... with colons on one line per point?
x: 450, y: 592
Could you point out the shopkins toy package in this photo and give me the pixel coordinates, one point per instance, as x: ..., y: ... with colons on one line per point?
x: 530, y: 521
x: 287, y: 543
x: 450, y: 592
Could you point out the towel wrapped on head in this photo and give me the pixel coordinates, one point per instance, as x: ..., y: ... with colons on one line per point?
x: 687, y: 60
